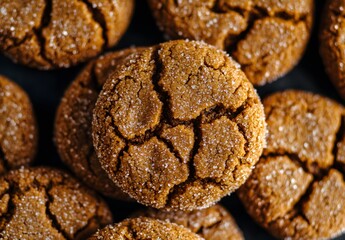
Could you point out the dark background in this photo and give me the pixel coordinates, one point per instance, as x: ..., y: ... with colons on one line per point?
x: 46, y: 89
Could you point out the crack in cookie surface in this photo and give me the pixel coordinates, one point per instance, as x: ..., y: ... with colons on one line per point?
x: 331, y: 45
x: 49, y: 34
x: 37, y: 198
x: 184, y: 92
x: 296, y: 190
x: 145, y: 228
x: 250, y: 30
x: 214, y: 223
x: 73, y: 124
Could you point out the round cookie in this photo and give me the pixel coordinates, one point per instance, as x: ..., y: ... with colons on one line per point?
x: 60, y: 33
x: 178, y: 126
x: 18, y: 130
x: 331, y: 44
x: 144, y: 228
x: 73, y: 135
x: 214, y: 223
x: 266, y: 37
x: 44, y: 203
x: 296, y: 191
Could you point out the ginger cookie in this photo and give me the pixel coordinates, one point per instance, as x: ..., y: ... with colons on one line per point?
x: 266, y: 37
x: 332, y: 48
x: 178, y: 126
x: 44, y: 203
x: 145, y: 228
x: 296, y: 190
x: 18, y: 129
x: 60, y: 33
x: 73, y: 135
x: 214, y: 223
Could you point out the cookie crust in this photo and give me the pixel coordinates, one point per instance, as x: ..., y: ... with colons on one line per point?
x: 144, y: 228
x: 266, y: 37
x: 297, y: 190
x: 168, y: 114
x: 73, y: 135
x: 18, y: 128
x: 331, y: 44
x: 60, y: 33
x: 214, y: 223
x: 40, y: 203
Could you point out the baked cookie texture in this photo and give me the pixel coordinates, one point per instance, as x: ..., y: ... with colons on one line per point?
x: 331, y: 43
x: 60, y: 33
x: 266, y: 37
x: 18, y: 129
x: 296, y: 190
x: 145, y: 228
x: 73, y: 135
x: 44, y: 203
x: 214, y: 223
x: 178, y: 126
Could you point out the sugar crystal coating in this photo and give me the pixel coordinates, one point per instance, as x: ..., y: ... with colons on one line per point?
x: 266, y: 37
x: 44, y: 203
x: 214, y: 223
x: 295, y: 191
x: 186, y: 88
x: 144, y: 228
x: 332, y: 48
x: 18, y: 129
x: 73, y: 124
x: 60, y: 33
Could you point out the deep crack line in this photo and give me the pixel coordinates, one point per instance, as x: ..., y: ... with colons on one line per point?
x: 3, y: 159
x: 50, y: 215
x: 11, y: 209
x: 170, y: 147
x: 99, y: 18
x: 45, y: 21
x: 96, y: 218
x: 338, y: 138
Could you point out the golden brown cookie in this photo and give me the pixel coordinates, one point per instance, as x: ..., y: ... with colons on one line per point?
x: 45, y: 203
x: 178, y: 126
x: 18, y: 130
x: 332, y: 46
x: 145, y: 228
x: 60, y: 33
x: 73, y: 124
x: 266, y: 37
x: 214, y: 223
x: 295, y: 191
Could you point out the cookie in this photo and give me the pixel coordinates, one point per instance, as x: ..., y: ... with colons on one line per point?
x: 296, y: 190
x: 144, y: 228
x: 266, y: 37
x: 178, y: 126
x: 73, y: 124
x: 60, y: 33
x: 214, y: 223
x: 44, y: 203
x: 18, y: 130
x: 331, y: 43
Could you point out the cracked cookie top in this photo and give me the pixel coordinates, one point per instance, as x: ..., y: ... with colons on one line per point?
x: 266, y: 37
x: 18, y: 130
x: 73, y: 135
x: 145, y: 228
x: 44, y: 203
x: 178, y: 126
x: 332, y: 46
x: 49, y: 34
x: 297, y: 189
x: 214, y: 223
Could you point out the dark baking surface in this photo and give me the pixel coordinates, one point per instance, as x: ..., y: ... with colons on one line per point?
x: 46, y: 89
